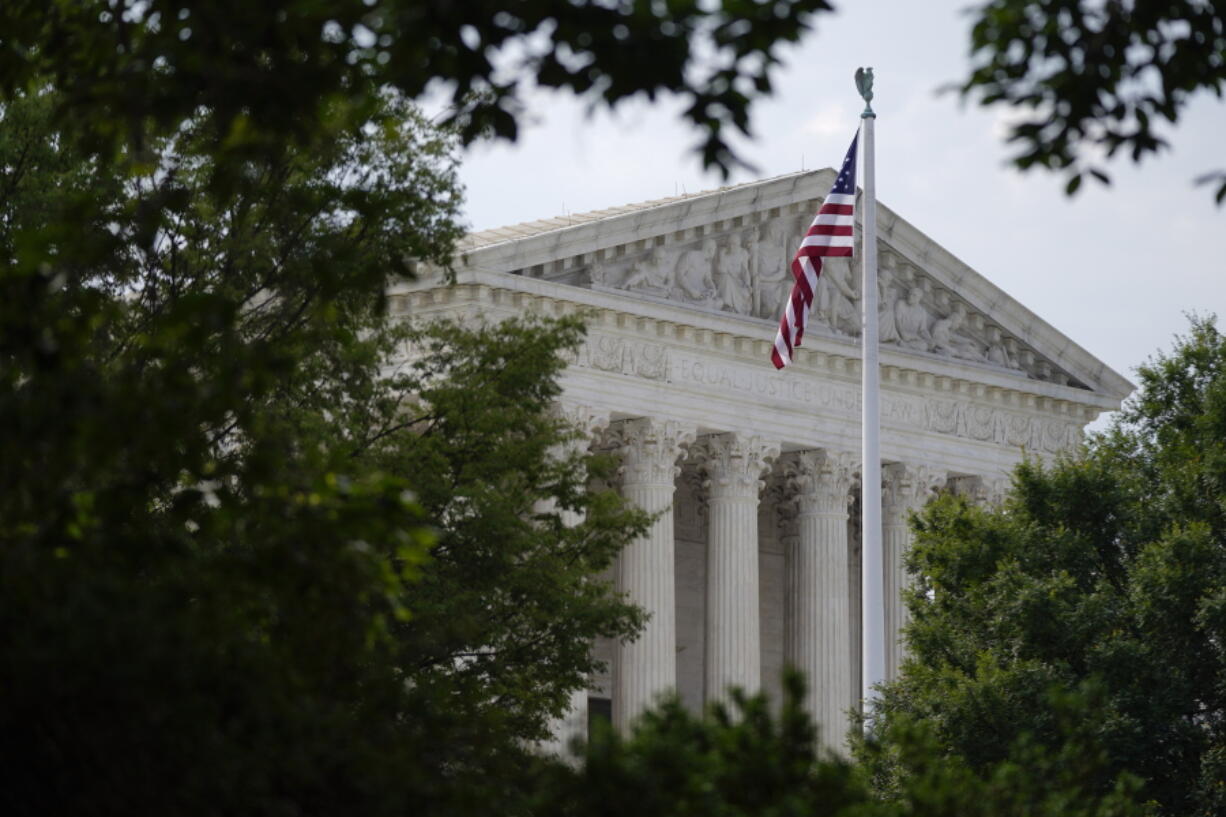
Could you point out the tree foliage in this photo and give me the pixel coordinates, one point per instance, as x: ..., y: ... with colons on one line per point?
x: 734, y: 760
x: 506, y: 611
x: 263, y: 74
x: 249, y: 559
x: 247, y: 564
x: 750, y: 758
x: 1095, y: 76
x: 1103, y: 578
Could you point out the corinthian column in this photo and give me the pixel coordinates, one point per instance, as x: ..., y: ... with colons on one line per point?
x: 817, y: 613
x: 905, y: 489
x: 983, y: 491
x: 733, y: 465
x: 589, y: 423
x: 647, y: 667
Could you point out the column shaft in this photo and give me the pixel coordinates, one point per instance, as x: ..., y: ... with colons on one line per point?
x: 734, y: 652
x: 818, y: 612
x: 645, y: 668
x: 572, y: 723
x: 906, y: 488
x: 822, y: 627
x: 896, y: 542
x: 733, y: 465
x: 855, y: 587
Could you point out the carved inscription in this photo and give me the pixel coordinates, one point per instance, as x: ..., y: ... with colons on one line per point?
x: 763, y: 382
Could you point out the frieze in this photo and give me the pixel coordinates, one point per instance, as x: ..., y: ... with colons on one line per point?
x: 762, y: 382
x: 608, y: 353
x: 956, y: 418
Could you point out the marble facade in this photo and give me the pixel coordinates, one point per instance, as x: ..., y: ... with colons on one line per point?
x: 753, y: 562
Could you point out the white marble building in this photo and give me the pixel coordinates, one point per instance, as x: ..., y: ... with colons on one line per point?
x: 754, y: 562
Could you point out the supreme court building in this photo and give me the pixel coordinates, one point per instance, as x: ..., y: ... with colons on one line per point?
x: 754, y: 560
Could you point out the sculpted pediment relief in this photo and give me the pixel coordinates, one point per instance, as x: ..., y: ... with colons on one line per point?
x: 727, y: 252
x: 713, y: 273
x: 743, y: 269
x: 915, y: 312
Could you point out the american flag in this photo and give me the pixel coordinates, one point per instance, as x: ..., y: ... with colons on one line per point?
x: 829, y: 235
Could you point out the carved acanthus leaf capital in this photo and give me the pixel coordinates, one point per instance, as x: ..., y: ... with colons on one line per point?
x: 987, y: 491
x: 588, y: 423
x: 733, y: 464
x: 996, y: 490
x: 820, y: 480
x: 906, y: 488
x: 974, y: 488
x: 649, y: 449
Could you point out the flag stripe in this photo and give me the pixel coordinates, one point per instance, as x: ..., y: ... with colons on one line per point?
x: 830, y: 229
x: 829, y: 236
x: 821, y: 242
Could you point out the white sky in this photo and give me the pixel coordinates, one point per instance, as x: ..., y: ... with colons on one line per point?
x: 1114, y: 268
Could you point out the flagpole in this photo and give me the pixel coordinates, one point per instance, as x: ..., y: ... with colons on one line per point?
x: 872, y: 595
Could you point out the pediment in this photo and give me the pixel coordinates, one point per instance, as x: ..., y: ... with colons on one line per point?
x: 728, y: 251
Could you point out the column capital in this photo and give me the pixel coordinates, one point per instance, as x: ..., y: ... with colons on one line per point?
x: 649, y: 448
x: 980, y: 490
x: 583, y: 418
x: 733, y: 464
x: 997, y: 490
x: 820, y: 480
x: 972, y: 487
x: 907, y: 487
x: 586, y: 426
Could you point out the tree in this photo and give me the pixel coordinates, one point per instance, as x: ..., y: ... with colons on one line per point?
x: 1101, y: 578
x: 506, y: 612
x: 264, y: 76
x: 1095, y: 76
x: 245, y: 563
x: 913, y: 773
x: 734, y: 760
x: 744, y: 759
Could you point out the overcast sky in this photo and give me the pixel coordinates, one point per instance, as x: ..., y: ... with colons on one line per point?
x: 1114, y: 268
